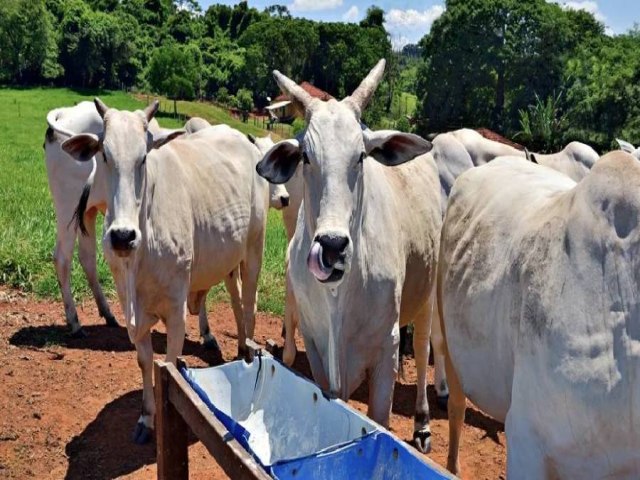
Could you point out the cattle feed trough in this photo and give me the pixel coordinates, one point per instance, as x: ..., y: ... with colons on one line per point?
x: 236, y: 410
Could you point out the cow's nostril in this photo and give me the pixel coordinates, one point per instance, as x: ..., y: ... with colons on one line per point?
x: 122, y: 239
x: 333, y: 243
x: 284, y: 201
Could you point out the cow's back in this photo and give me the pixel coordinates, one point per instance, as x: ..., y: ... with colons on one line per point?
x: 540, y: 292
x: 489, y: 207
x: 575, y: 160
x: 201, y: 191
x: 452, y: 160
x: 482, y: 150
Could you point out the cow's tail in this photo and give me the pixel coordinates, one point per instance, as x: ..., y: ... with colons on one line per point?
x: 78, y: 215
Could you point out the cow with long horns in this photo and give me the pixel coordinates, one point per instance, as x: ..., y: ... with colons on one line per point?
x: 363, y: 258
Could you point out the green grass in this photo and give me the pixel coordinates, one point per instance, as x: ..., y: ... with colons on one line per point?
x: 27, y: 217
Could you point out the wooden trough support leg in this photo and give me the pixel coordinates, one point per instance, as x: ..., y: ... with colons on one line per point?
x: 171, y: 431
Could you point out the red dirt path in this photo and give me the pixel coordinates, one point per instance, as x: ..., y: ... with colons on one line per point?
x: 67, y: 407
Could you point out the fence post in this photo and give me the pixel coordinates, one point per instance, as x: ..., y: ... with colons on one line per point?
x: 171, y: 431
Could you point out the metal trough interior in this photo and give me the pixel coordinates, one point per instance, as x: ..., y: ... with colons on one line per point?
x: 294, y: 431
x: 286, y: 416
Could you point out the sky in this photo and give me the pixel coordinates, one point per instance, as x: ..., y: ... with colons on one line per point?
x: 409, y: 20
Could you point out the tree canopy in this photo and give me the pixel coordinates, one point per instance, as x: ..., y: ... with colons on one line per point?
x: 486, y: 61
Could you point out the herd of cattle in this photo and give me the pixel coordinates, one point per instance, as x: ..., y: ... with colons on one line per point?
x: 528, y: 264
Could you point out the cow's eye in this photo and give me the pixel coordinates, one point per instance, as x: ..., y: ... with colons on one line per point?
x: 305, y: 158
x: 363, y: 155
x: 144, y: 160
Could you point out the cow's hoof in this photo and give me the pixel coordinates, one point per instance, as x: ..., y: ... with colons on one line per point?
x: 142, y: 434
x: 110, y: 320
x: 442, y: 402
x: 422, y: 440
x: 211, y: 344
x: 79, y: 333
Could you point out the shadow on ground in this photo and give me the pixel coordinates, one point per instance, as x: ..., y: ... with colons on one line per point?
x: 404, y: 398
x: 103, y: 338
x: 104, y: 449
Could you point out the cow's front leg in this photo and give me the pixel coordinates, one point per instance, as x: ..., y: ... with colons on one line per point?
x: 144, y: 428
x: 208, y: 340
x: 250, y: 272
x: 315, y: 362
x: 290, y: 323
x: 382, y: 380
x: 175, y: 331
x: 233, y: 285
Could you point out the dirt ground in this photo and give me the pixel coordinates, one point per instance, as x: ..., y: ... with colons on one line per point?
x: 68, y: 406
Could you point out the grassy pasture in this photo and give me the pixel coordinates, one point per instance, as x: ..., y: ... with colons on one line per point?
x: 27, y: 217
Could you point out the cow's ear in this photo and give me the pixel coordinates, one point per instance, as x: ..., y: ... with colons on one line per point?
x: 162, y: 137
x: 82, y: 147
x: 393, y: 148
x: 280, y: 162
x: 626, y: 146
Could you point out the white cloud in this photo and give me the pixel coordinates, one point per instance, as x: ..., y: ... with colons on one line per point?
x: 308, y: 5
x: 351, y: 15
x: 409, y: 26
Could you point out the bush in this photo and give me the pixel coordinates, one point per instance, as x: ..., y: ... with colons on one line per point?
x: 542, y: 125
x: 297, y: 126
x: 244, y: 99
x: 403, y: 125
x: 223, y: 96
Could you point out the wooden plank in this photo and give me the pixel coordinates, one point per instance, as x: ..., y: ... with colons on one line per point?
x: 171, y: 431
x: 230, y: 455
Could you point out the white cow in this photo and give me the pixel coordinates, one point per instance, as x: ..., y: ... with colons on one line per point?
x: 294, y: 188
x: 539, y: 284
x: 195, y: 124
x: 629, y: 148
x: 180, y: 219
x: 362, y: 259
x: 66, y: 180
x: 279, y: 197
x: 575, y: 160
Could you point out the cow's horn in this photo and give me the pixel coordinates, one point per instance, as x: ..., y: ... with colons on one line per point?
x: 300, y: 98
x: 360, y: 98
x: 151, y: 110
x: 101, y: 107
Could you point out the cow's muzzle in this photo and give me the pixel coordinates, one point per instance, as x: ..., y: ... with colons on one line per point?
x: 327, y: 258
x: 123, y: 241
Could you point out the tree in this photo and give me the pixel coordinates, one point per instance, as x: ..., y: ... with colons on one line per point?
x: 98, y: 49
x: 29, y: 48
x: 184, y: 26
x: 485, y: 60
x: 280, y: 11
x: 603, y: 91
x: 276, y: 43
x: 174, y: 71
x: 374, y: 18
x: 244, y: 98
